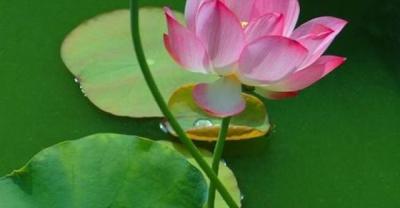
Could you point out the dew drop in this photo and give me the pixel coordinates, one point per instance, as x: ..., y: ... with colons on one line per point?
x: 150, y: 62
x: 83, y: 91
x: 76, y: 80
x: 163, y: 126
x: 202, y: 123
x: 241, y: 197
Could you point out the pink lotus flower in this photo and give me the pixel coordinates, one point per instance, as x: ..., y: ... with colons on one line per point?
x: 250, y: 42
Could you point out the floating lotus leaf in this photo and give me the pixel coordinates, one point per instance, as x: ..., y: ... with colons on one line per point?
x: 105, y: 171
x: 100, y: 54
x: 251, y: 123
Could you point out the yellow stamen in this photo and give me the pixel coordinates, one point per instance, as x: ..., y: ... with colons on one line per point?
x: 244, y: 24
x: 233, y: 76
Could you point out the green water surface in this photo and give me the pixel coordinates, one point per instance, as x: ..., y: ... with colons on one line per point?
x: 337, y: 145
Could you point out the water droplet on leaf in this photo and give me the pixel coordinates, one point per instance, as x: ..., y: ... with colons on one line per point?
x: 163, y: 126
x: 202, y: 123
x: 150, y: 62
x: 82, y: 90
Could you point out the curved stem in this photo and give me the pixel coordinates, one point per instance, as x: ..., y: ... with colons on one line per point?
x: 164, y: 108
x: 219, y: 147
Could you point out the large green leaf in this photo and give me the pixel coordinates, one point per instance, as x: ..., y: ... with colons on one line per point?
x: 253, y: 122
x: 225, y: 174
x: 100, y: 54
x: 104, y: 171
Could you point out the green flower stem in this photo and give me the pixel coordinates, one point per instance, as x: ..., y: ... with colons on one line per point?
x: 164, y: 108
x: 219, y: 147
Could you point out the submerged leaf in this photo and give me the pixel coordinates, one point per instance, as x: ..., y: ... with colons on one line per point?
x: 251, y: 123
x: 105, y: 170
x: 100, y: 54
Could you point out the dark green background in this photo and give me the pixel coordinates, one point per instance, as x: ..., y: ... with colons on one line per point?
x: 336, y: 145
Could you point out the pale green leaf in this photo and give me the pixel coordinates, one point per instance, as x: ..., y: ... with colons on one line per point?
x: 100, y: 54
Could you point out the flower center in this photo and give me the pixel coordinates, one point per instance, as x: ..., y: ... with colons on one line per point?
x: 244, y: 24
x: 233, y: 77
